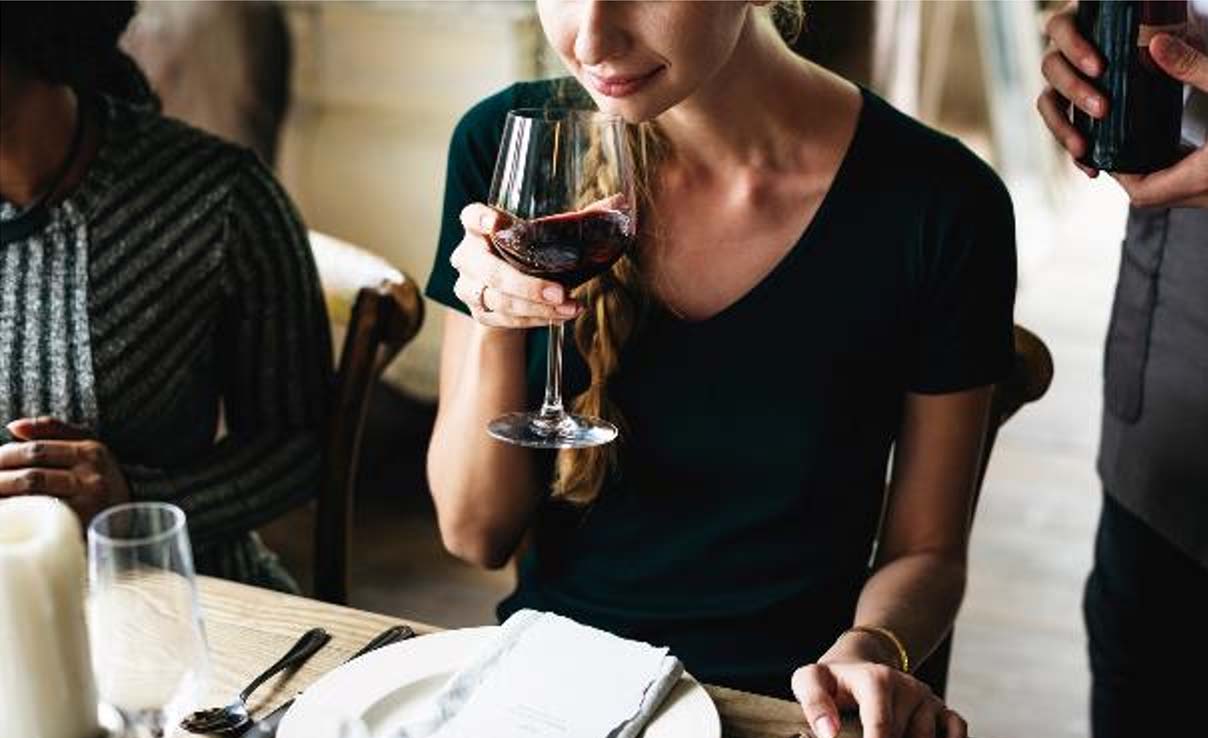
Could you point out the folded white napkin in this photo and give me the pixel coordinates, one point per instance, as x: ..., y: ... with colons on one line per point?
x: 548, y: 676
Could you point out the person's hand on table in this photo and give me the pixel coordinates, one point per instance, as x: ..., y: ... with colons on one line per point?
x: 1071, y: 60
x: 854, y: 674
x: 497, y: 294
x: 61, y: 460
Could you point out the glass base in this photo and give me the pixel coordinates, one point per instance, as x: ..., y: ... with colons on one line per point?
x: 535, y: 430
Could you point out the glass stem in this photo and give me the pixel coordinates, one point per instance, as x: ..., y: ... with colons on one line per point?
x: 551, y: 409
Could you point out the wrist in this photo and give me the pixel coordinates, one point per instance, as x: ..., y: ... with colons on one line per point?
x: 492, y: 338
x: 866, y: 645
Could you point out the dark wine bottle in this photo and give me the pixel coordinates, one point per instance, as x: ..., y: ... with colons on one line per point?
x: 1140, y: 132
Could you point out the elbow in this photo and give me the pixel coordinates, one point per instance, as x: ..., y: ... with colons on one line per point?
x: 475, y: 544
x: 471, y: 528
x: 469, y: 534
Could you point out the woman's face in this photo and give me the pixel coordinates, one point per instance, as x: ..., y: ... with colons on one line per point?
x: 638, y: 59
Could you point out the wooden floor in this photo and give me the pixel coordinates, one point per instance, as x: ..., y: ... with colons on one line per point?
x: 1019, y: 666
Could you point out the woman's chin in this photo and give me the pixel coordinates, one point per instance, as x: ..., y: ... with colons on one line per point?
x: 635, y: 109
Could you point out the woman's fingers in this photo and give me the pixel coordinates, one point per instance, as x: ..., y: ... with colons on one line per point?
x: 954, y: 725
x: 873, y: 690
x: 814, y: 687
x: 1063, y: 32
x: 480, y: 219
x: 1072, y: 86
x: 485, y: 300
x: 925, y: 720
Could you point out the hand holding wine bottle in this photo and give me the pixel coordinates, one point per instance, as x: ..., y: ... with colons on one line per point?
x: 1134, y: 143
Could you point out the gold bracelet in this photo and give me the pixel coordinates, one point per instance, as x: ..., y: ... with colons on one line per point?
x: 887, y: 635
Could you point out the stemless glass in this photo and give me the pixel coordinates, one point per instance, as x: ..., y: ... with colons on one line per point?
x: 148, y: 645
x: 564, y: 182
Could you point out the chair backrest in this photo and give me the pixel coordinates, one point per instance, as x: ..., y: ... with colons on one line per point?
x: 1029, y: 380
x: 383, y: 316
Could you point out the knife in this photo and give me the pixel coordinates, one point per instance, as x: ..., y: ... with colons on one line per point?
x: 267, y: 726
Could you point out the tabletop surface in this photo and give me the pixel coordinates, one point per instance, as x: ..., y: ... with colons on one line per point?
x: 248, y: 628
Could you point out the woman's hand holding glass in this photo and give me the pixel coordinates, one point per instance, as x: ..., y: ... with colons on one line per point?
x: 497, y: 294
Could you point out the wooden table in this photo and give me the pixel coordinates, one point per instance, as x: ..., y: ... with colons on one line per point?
x: 249, y: 628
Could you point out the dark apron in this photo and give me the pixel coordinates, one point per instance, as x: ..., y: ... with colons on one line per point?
x: 1153, y: 453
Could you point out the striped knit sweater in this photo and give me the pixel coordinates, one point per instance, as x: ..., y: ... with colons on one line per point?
x: 174, y: 283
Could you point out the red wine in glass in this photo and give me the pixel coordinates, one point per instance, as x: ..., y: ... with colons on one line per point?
x: 568, y: 248
x: 564, y: 182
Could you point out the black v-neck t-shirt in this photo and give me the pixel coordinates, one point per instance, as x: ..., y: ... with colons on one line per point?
x: 739, y: 528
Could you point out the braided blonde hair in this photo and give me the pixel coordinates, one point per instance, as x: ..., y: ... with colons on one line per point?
x: 616, y: 300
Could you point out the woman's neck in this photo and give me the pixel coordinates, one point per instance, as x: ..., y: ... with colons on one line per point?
x: 759, y: 112
x: 37, y: 126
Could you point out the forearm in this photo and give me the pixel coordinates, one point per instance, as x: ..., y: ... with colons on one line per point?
x: 485, y: 491
x: 916, y: 596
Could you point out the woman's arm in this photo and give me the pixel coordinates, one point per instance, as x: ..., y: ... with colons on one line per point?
x: 918, y: 579
x: 486, y: 492
x: 919, y: 576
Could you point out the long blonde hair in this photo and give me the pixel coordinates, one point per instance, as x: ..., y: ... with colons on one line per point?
x: 616, y: 301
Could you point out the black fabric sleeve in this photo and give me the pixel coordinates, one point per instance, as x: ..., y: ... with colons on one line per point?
x: 965, y: 293
x: 275, y: 350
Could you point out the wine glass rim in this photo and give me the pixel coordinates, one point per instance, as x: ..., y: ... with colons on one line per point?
x: 556, y: 112
x: 177, y: 515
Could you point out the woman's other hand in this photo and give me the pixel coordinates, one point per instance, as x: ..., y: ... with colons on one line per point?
x: 854, y: 674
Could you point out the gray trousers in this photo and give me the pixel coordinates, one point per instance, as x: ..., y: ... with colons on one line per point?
x: 1153, y: 453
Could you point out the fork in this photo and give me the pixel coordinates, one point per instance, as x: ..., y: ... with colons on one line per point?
x: 266, y: 727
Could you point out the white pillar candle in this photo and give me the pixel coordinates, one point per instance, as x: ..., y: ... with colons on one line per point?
x: 46, y: 684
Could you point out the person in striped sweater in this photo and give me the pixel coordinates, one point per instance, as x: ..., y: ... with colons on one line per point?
x: 156, y: 285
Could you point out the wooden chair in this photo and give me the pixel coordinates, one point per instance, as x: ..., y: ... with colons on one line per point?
x: 383, y: 311
x: 1028, y: 381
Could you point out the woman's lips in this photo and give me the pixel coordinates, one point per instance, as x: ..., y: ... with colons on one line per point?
x: 621, y: 86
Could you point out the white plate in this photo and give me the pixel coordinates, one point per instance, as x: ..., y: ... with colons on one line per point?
x: 387, y: 688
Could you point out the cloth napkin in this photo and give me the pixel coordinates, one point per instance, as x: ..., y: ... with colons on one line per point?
x: 546, y: 675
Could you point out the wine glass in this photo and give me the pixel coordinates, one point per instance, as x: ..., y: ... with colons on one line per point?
x: 564, y: 182
x: 148, y: 645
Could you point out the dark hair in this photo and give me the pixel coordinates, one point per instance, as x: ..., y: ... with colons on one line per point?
x: 73, y: 43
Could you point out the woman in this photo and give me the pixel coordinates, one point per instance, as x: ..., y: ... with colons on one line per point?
x: 823, y: 278
x: 1151, y: 549
x: 152, y: 279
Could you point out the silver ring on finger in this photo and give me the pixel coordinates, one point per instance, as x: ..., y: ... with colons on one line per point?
x: 481, y: 300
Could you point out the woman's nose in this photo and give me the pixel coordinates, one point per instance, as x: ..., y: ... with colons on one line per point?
x: 601, y: 34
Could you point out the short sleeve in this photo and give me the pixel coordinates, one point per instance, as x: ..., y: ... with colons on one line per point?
x: 965, y: 295
x: 471, y: 162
